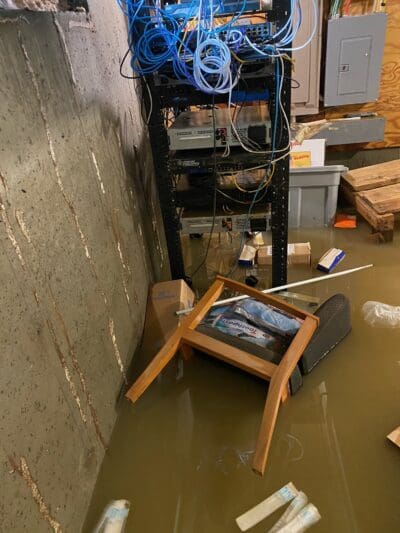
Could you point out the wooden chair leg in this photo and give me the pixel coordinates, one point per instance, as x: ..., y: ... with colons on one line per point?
x: 186, y: 351
x: 169, y: 349
x: 159, y: 362
x: 286, y: 394
x: 276, y: 389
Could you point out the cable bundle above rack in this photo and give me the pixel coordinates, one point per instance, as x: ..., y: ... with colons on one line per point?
x: 204, y: 46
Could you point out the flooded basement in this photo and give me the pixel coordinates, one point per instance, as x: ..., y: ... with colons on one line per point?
x: 182, y: 454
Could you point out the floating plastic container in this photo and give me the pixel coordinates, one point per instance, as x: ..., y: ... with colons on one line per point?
x: 313, y: 194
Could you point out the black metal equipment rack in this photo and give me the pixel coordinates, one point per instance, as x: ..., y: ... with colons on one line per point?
x: 278, y: 189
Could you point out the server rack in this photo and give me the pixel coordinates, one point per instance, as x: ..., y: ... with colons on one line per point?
x: 278, y: 194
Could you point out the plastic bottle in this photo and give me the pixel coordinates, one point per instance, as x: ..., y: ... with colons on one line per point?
x: 294, y: 508
x: 114, y: 517
x: 306, y: 518
x: 267, y: 507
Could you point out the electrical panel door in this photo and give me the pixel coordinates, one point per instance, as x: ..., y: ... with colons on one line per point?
x: 354, y: 59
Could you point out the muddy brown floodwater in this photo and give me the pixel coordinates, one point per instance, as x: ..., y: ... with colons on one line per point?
x: 182, y: 454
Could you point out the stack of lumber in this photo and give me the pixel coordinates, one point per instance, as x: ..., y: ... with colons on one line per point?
x: 375, y: 192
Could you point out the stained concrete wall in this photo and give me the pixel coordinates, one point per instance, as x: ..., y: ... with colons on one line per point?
x: 78, y: 214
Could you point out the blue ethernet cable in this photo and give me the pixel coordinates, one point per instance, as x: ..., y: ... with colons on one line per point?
x: 156, y: 37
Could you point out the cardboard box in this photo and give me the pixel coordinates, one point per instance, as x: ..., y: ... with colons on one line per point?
x: 330, y: 259
x: 298, y: 254
x: 248, y: 256
x: 315, y: 148
x: 165, y: 298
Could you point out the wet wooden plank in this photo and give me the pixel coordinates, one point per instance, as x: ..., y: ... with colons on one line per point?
x: 383, y: 222
x: 374, y: 176
x: 383, y: 200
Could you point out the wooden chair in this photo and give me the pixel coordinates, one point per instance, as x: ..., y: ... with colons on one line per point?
x: 185, y: 338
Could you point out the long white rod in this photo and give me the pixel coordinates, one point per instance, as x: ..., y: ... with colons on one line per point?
x: 282, y: 287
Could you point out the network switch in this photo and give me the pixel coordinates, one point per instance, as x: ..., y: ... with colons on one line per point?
x: 198, y: 222
x: 193, y: 130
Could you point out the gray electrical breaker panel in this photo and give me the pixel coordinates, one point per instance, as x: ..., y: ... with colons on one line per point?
x: 354, y: 59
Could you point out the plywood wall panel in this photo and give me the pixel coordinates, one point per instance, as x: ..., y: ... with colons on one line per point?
x: 388, y: 104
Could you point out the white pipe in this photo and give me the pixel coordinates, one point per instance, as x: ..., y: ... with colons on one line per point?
x: 282, y: 287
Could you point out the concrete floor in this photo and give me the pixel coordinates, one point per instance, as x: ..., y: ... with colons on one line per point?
x: 182, y: 455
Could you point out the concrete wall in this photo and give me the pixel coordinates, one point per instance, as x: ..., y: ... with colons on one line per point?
x: 77, y: 218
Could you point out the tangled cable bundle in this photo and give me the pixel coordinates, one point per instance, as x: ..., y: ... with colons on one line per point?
x: 203, y: 50
x: 213, y: 57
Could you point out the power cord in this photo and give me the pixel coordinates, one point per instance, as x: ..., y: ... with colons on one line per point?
x: 278, y: 108
x: 214, y: 195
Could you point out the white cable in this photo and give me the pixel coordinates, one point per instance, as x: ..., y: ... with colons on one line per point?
x: 212, y: 61
x: 231, y: 40
x: 228, y: 172
x: 310, y: 38
x: 213, y: 57
x: 285, y: 117
x: 151, y: 102
x: 237, y: 135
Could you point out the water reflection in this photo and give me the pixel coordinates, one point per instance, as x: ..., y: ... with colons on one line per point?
x: 182, y: 455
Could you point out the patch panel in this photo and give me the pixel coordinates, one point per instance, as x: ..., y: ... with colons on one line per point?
x: 203, y: 162
x: 228, y: 7
x: 257, y: 33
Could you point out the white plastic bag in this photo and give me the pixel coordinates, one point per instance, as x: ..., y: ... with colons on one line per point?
x: 383, y: 315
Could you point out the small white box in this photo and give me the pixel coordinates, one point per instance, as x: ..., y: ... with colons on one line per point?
x: 299, y: 253
x: 316, y: 147
x: 330, y: 259
x: 247, y: 256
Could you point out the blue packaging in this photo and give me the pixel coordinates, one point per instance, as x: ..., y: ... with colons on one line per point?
x: 330, y: 259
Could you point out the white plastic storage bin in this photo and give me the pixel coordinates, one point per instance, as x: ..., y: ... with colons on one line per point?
x: 313, y: 194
